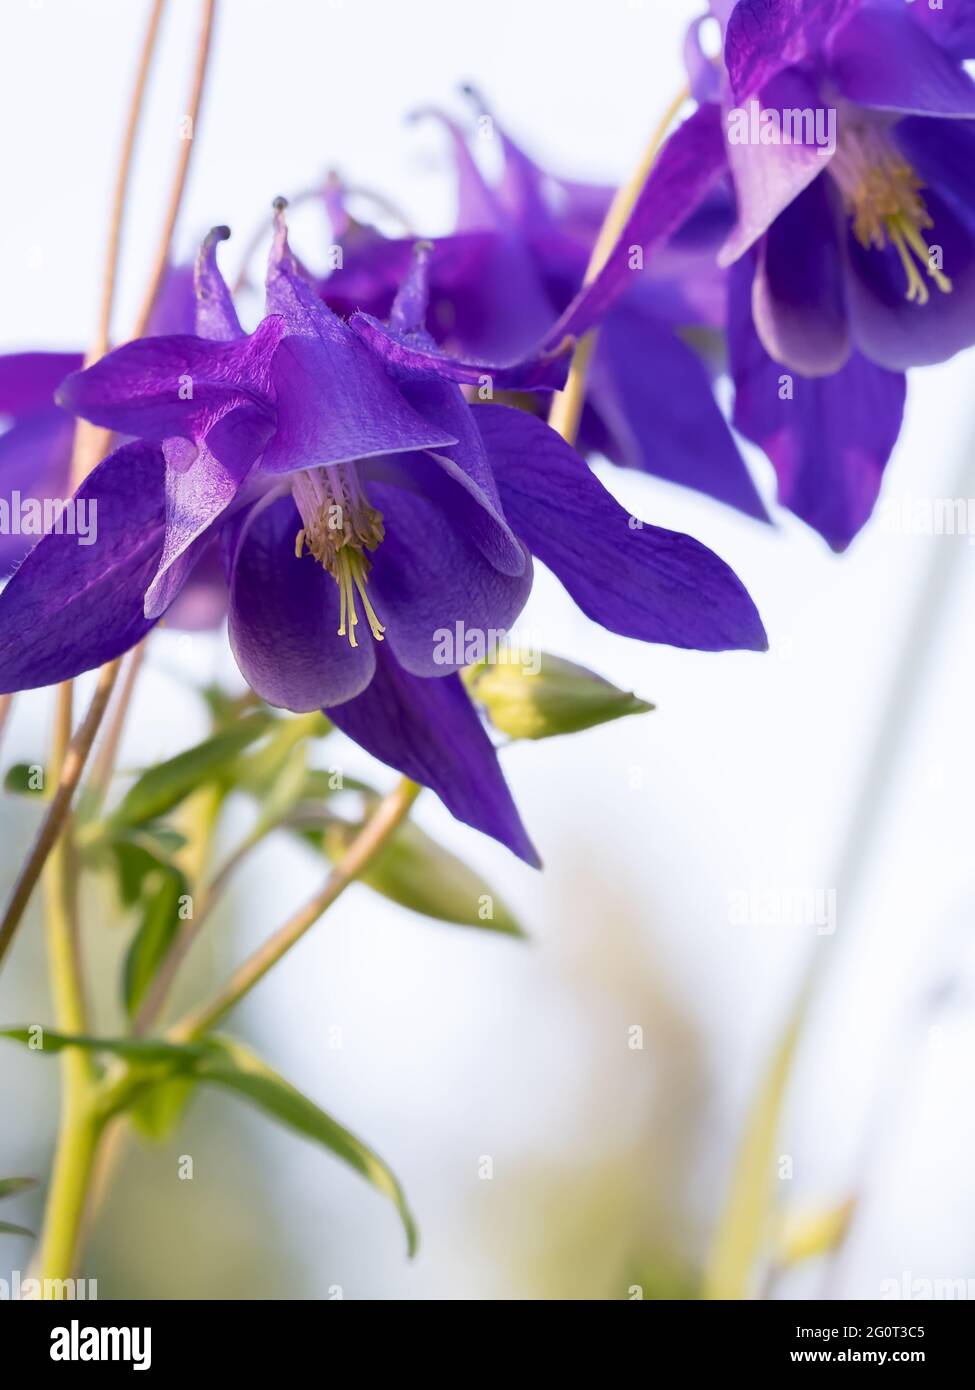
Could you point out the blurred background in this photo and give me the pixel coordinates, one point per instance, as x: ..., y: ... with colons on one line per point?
x: 842, y: 762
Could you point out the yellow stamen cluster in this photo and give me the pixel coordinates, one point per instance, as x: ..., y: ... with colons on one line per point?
x: 339, y: 526
x: 884, y: 198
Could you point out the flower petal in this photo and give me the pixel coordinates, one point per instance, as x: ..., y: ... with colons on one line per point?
x: 284, y: 618
x: 829, y: 438
x: 28, y: 380
x: 952, y: 26
x: 335, y: 401
x: 688, y: 166
x: 883, y: 60
x: 35, y: 462
x: 799, y: 299
x: 541, y: 371
x: 887, y: 327
x: 198, y: 495
x: 156, y: 388
x: 653, y: 394
x: 765, y: 36
x: 430, y: 731
x: 768, y: 177
x: 432, y: 571
x: 216, y: 317
x: 71, y: 607
x: 634, y: 579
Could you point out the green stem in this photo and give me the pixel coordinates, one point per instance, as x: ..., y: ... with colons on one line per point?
x: 386, y: 819
x: 78, y: 1140
x: 565, y: 413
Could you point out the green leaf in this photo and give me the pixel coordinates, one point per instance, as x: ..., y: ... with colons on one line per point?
x: 162, y: 892
x: 414, y: 871
x: 285, y: 791
x: 236, y: 1068
x: 25, y: 779
x: 164, y: 786
x: 259, y: 771
x: 9, y: 1186
x: 136, y: 1050
x: 136, y: 859
x: 7, y: 1228
x: 559, y: 698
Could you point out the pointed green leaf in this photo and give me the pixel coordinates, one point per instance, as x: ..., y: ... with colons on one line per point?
x: 24, y: 779
x: 258, y: 771
x: 416, y: 872
x: 8, y: 1186
x: 162, y: 892
x: 285, y: 791
x: 7, y: 1228
x: 164, y: 786
x: 236, y: 1068
x: 136, y: 1050
x: 557, y: 698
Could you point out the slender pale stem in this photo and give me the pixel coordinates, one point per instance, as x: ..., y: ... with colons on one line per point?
x: 565, y: 412
x: 6, y: 705
x: 81, y: 745
x: 96, y: 788
x: 385, y: 820
x: 182, y: 168
x: 90, y: 440
x: 81, y: 1127
x: 57, y: 812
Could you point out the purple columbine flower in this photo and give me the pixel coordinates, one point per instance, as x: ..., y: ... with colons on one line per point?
x: 513, y: 263
x: 363, y: 508
x: 850, y: 260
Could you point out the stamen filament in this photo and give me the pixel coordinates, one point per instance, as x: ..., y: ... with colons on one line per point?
x: 340, y: 526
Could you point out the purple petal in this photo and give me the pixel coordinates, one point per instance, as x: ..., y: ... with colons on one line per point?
x: 687, y: 168
x: 799, y: 297
x: 829, y: 442
x: 768, y: 177
x: 335, y: 401
x: 430, y: 731
x: 477, y: 203
x: 72, y: 607
x: 882, y: 59
x: 953, y: 26
x: 432, y: 571
x: 654, y: 396
x: 765, y: 36
x: 197, y: 496
x: 215, y: 317
x: 542, y: 371
x: 28, y: 380
x: 175, y: 308
x: 632, y: 578
x: 155, y: 388
x: 284, y: 618
x: 887, y: 327
x: 201, y: 604
x: 703, y: 73
x: 35, y: 462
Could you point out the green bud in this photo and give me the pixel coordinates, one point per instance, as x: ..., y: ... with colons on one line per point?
x: 536, y: 698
